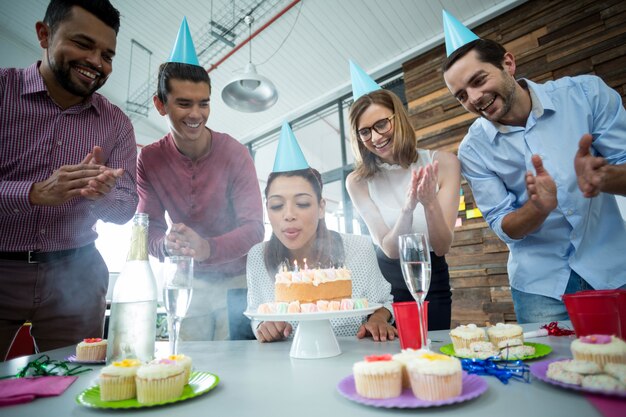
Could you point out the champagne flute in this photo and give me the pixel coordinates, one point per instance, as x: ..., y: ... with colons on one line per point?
x: 177, y: 291
x: 415, y: 263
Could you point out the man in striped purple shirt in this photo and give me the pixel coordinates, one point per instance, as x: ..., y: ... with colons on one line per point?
x: 67, y: 159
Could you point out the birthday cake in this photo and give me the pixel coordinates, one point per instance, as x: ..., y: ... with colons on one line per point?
x: 312, y: 285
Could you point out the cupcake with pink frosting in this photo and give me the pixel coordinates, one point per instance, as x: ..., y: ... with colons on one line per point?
x: 601, y: 349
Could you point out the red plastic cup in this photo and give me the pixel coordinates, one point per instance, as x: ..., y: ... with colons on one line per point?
x: 408, y: 323
x: 621, y: 306
x: 597, y: 312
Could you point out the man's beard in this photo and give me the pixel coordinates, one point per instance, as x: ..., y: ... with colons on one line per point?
x: 62, y: 73
x: 508, y: 98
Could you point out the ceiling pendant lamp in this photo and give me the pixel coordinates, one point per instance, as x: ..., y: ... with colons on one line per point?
x: 248, y: 91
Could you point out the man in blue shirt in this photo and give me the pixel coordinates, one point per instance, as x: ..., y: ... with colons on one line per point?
x: 543, y: 161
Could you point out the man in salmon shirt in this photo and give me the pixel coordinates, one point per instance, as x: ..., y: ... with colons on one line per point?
x: 206, y: 182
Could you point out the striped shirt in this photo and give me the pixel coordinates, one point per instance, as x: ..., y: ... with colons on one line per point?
x: 36, y: 138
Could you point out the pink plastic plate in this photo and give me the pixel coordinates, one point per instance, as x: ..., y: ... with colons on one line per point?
x: 539, y: 369
x: 473, y: 386
x: 73, y: 359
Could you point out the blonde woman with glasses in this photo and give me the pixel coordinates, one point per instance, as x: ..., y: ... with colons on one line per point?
x: 398, y: 189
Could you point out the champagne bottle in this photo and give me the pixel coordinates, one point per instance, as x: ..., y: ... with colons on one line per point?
x: 132, y: 324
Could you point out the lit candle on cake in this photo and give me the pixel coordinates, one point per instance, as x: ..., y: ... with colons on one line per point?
x: 295, y: 266
x: 305, y: 265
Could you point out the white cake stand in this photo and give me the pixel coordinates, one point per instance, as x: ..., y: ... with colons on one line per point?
x: 314, y: 338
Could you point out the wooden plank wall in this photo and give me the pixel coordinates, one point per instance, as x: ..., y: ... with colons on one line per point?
x: 550, y: 39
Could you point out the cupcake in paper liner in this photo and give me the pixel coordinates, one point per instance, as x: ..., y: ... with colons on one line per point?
x: 463, y: 335
x: 404, y: 358
x: 501, y: 333
x: 435, y: 377
x: 601, y: 349
x: 378, y: 376
x: 160, y: 381
x: 117, y: 381
x: 91, y: 350
x: 185, y: 362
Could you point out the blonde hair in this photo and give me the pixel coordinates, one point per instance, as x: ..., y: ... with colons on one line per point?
x: 404, y: 143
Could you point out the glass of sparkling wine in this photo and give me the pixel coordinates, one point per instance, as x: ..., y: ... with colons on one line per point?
x: 177, y: 291
x: 415, y: 263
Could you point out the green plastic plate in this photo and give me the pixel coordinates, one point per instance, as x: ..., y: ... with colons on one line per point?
x: 199, y: 383
x: 540, y: 350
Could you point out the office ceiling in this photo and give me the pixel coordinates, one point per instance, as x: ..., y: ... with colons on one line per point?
x: 304, y: 48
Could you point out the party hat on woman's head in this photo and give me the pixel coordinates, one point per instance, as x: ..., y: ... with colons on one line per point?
x: 361, y: 82
x: 289, y: 156
x: 456, y: 33
x: 184, y: 52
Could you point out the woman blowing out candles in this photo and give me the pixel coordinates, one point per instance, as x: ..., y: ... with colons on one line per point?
x: 296, y: 211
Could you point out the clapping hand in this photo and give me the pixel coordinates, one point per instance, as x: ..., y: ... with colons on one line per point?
x: 541, y: 188
x: 427, y: 178
x: 90, y: 179
x: 422, y: 187
x: 590, y: 170
x: 410, y: 201
x: 103, y: 183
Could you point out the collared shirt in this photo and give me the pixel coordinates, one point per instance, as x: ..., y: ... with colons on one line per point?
x: 217, y: 195
x: 37, y: 137
x: 583, y: 234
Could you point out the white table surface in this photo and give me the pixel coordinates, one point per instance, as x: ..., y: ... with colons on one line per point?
x: 262, y: 380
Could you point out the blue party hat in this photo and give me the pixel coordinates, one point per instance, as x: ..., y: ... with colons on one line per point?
x: 361, y: 82
x: 289, y: 156
x: 456, y: 33
x: 184, y: 51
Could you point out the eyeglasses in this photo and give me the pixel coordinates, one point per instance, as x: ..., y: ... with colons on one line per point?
x: 382, y: 126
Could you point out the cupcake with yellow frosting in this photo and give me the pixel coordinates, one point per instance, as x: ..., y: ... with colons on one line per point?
x: 435, y: 377
x: 185, y: 362
x: 117, y: 381
x: 160, y: 381
x: 378, y: 376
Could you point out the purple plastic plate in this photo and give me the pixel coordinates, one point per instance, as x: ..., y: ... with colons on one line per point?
x: 473, y: 386
x: 539, y: 369
x: 72, y: 358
